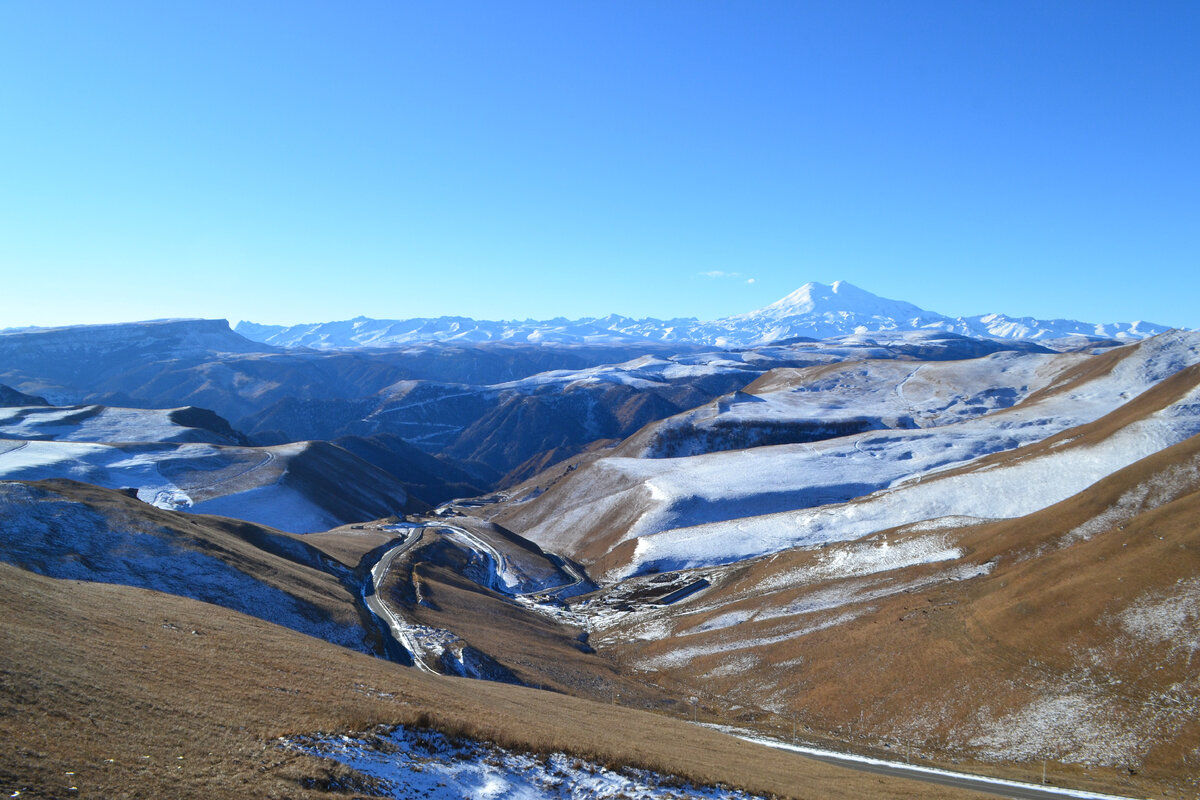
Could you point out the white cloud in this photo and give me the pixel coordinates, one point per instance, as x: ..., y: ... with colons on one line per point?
x: 750, y: 280
x: 716, y: 273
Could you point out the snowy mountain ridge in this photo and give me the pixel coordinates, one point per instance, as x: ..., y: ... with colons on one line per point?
x: 814, y: 310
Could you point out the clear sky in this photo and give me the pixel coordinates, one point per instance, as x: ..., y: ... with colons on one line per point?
x: 291, y: 162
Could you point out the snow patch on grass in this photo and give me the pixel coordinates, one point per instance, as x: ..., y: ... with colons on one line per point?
x: 735, y: 666
x: 828, y: 598
x: 1158, y: 490
x: 1072, y: 727
x: 408, y: 764
x: 866, y: 558
x: 944, y: 523
x: 1174, y: 618
x: 683, y: 656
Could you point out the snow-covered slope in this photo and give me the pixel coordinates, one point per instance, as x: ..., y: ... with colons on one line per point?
x: 851, y: 396
x: 301, y: 487
x: 814, y: 310
x: 635, y: 513
x: 108, y: 424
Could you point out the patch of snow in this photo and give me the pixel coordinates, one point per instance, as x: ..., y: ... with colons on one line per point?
x: 866, y: 558
x: 682, y: 656
x: 1069, y: 727
x: 1167, y: 617
x: 828, y: 598
x: 943, y: 523
x: 275, y: 505
x: 409, y: 764
x: 1157, y: 490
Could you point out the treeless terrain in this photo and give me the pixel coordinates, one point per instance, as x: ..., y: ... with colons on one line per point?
x: 114, y: 692
x: 1069, y: 635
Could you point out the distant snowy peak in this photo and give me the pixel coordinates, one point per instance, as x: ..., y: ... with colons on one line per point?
x: 819, y: 311
x: 814, y: 310
x: 840, y: 298
x: 1004, y: 327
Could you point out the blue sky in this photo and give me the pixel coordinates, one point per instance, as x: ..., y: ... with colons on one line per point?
x: 301, y: 162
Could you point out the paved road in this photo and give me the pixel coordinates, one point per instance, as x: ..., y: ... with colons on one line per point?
x: 402, y: 632
x: 501, y: 565
x: 958, y: 780
x: 377, y: 606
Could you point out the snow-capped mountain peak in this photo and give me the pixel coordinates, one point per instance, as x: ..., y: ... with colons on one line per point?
x: 841, y: 298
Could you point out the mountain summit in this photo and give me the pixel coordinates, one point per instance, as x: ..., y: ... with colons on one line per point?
x: 822, y: 311
x: 818, y: 298
x: 814, y: 310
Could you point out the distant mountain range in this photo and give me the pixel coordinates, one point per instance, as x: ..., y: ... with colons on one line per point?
x: 814, y: 310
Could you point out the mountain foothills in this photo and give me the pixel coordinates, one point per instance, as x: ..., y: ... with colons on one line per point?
x: 395, y: 558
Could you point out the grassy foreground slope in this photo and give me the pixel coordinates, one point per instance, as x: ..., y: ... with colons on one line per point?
x: 124, y: 692
x: 1070, y: 635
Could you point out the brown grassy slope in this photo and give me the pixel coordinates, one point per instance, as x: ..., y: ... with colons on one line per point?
x: 577, y: 497
x: 538, y: 650
x: 277, y: 559
x: 1080, y: 645
x: 123, y: 692
x: 349, y: 543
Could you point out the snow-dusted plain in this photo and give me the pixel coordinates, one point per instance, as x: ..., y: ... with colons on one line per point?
x: 814, y: 310
x: 100, y: 424
x: 407, y: 764
x: 169, y: 475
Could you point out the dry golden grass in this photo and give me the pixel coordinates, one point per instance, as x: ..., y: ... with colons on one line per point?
x: 126, y: 693
x: 538, y: 650
x: 258, y: 551
x: 917, y: 665
x: 349, y: 543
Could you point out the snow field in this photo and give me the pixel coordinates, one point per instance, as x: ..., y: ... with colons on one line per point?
x: 702, y: 510
x: 240, y: 482
x: 94, y: 424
